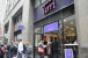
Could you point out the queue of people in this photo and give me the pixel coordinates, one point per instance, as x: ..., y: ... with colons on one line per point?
x: 3, y: 50
x: 14, y: 50
x: 50, y: 49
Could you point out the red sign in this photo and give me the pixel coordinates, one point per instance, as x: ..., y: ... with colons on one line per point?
x: 49, y: 6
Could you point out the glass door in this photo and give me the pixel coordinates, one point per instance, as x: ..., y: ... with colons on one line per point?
x: 53, y: 40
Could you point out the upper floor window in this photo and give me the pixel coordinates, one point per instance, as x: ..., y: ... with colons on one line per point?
x: 39, y: 2
x: 43, y: 1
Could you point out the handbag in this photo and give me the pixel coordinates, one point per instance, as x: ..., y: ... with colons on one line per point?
x: 40, y: 49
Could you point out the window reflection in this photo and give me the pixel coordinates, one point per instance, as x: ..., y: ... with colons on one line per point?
x: 69, y: 31
x: 37, y: 3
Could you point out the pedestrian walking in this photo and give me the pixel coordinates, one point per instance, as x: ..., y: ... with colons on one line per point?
x: 9, y: 53
x: 24, y: 55
x: 20, y: 49
x: 4, y: 49
x: 14, y: 50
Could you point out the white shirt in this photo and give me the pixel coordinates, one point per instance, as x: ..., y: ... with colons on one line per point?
x: 20, y: 47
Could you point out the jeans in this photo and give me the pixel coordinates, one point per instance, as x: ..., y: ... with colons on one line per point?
x: 19, y: 55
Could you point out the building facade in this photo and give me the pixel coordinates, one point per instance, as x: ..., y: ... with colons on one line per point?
x: 17, y: 15
x: 36, y: 20
x: 56, y: 19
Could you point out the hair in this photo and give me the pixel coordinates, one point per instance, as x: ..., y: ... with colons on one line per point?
x: 51, y: 38
x: 55, y: 38
x: 45, y: 42
x: 20, y: 39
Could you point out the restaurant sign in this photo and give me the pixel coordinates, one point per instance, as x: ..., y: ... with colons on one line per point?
x: 49, y: 6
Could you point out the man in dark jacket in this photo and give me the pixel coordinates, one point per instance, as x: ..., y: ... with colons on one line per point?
x: 56, y: 48
x: 12, y: 51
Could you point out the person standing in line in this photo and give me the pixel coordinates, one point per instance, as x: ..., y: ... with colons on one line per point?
x: 50, y: 47
x: 9, y: 53
x: 20, y: 49
x: 45, y: 49
x: 40, y: 45
x: 14, y: 50
x: 1, y: 52
x: 55, y: 48
x: 4, y: 49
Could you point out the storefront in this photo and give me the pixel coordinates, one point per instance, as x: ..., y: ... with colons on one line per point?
x: 58, y: 26
x: 64, y: 30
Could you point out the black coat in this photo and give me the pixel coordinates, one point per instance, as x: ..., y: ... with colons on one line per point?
x: 56, y: 46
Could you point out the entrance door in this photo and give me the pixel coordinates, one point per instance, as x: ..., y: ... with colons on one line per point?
x: 54, y: 44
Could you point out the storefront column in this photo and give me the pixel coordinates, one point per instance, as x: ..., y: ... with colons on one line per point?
x: 81, y: 10
x: 11, y: 32
x: 27, y: 21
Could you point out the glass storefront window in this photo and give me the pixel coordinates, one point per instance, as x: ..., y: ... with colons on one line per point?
x: 70, y: 36
x: 69, y: 29
x: 60, y: 36
x: 38, y: 34
x: 37, y: 40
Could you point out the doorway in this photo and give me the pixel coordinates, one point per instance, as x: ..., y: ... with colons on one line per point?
x: 55, y: 44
